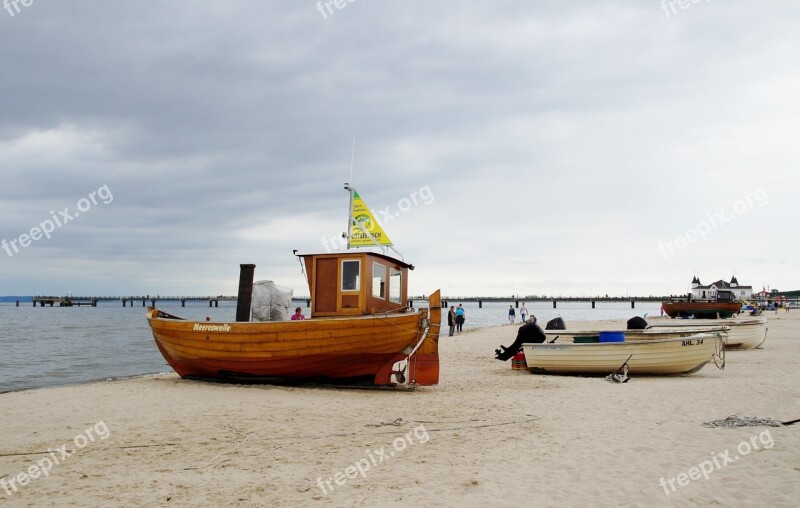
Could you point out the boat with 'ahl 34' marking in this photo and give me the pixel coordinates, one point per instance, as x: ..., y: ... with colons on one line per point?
x: 683, y: 355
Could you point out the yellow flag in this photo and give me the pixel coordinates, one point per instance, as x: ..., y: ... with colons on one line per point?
x: 362, y: 215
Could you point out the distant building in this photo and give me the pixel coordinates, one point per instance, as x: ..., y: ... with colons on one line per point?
x: 701, y: 292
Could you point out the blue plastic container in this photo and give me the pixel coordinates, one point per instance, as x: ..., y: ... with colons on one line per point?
x: 612, y: 336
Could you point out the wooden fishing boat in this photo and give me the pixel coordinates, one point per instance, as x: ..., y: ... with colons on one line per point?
x: 701, y: 308
x: 742, y: 333
x: 684, y: 355
x: 360, y: 332
x: 352, y: 337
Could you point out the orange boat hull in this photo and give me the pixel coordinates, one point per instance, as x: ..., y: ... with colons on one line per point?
x: 701, y: 309
x: 380, y: 350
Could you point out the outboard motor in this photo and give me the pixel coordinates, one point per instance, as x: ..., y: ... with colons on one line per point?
x: 556, y: 324
x: 529, y: 333
x: 637, y: 323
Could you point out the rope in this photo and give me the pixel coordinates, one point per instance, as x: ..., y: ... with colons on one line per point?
x: 23, y: 454
x: 302, y: 267
x: 397, y: 326
x: 397, y: 422
x: 733, y: 422
x: 412, y: 383
x: 474, y: 424
x: 720, y: 354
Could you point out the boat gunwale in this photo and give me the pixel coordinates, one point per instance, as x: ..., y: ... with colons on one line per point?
x: 732, y: 322
x: 381, y: 315
x: 638, y: 332
x: 696, y: 336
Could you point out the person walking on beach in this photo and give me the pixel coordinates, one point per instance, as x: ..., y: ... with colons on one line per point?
x: 451, y: 320
x: 511, y: 314
x: 460, y: 318
x: 523, y: 313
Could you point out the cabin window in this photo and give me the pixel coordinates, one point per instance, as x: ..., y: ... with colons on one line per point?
x: 351, y: 275
x: 395, y: 285
x: 378, y: 280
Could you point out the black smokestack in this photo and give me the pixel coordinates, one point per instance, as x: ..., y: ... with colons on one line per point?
x: 245, y: 292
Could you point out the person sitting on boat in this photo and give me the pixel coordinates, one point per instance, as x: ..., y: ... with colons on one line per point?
x: 529, y: 333
x: 298, y: 315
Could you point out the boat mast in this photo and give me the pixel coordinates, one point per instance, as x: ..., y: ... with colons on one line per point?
x: 346, y: 233
x: 351, y: 220
x: 349, y: 188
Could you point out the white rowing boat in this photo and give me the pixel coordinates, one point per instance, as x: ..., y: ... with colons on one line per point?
x: 683, y: 355
x: 743, y: 333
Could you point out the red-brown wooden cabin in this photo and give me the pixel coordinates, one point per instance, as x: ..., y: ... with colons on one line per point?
x: 356, y: 283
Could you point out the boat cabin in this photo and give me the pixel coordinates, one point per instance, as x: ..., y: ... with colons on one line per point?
x: 355, y: 283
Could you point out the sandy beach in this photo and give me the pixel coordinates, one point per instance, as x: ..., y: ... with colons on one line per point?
x: 486, y: 436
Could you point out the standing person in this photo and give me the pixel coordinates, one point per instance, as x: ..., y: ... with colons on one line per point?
x: 298, y: 314
x: 460, y: 318
x: 523, y: 313
x: 451, y: 320
x: 511, y: 314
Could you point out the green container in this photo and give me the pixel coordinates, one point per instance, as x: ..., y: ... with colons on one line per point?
x: 586, y: 340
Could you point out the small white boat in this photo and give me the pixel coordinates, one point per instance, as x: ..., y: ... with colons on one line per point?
x: 743, y: 333
x: 588, y: 336
x: 683, y: 355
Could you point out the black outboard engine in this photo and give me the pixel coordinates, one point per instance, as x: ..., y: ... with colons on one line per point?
x: 529, y: 333
x: 637, y: 323
x: 556, y: 324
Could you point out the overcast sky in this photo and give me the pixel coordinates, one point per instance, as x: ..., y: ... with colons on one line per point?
x: 561, y: 147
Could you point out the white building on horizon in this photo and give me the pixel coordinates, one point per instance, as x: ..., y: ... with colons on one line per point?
x: 701, y: 292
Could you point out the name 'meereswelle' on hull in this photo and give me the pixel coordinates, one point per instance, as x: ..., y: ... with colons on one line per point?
x: 198, y: 327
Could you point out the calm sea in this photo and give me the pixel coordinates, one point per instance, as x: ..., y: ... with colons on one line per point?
x: 53, y: 346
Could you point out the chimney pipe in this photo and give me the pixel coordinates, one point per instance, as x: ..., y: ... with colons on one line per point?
x: 245, y: 292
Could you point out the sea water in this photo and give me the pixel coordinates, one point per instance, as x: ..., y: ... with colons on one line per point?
x: 52, y: 346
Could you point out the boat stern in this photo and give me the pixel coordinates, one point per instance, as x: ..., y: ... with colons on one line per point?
x: 420, y: 366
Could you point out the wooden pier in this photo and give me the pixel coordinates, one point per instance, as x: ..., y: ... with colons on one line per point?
x: 213, y: 301
x: 92, y: 301
x: 516, y: 299
x: 480, y: 300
